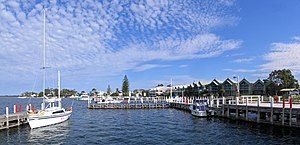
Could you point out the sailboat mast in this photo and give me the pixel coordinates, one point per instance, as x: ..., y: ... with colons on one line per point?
x: 44, y: 57
x: 58, y: 87
x: 171, y: 89
x: 58, y: 83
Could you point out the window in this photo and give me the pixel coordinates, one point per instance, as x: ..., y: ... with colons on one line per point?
x: 244, y: 86
x: 227, y: 86
x: 259, y: 86
x: 59, y: 111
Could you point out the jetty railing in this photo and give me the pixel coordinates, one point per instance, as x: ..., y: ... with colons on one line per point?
x: 259, y: 109
x: 17, y: 118
x: 145, y: 103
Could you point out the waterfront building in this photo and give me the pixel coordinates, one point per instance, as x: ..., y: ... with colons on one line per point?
x: 159, y: 90
x: 213, y: 87
x: 217, y: 88
x: 259, y: 88
x: 245, y: 87
x: 230, y: 87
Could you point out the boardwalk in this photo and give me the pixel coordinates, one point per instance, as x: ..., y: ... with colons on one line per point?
x: 129, y: 106
x: 12, y: 120
x: 284, y: 114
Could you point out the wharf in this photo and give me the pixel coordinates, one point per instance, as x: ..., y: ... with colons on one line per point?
x: 13, y: 120
x: 258, y: 111
x: 129, y: 105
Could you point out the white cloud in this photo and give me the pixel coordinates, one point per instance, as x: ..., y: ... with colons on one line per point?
x: 183, y: 66
x: 241, y: 70
x: 297, y: 38
x: 149, y: 66
x: 243, y: 60
x: 262, y: 75
x: 283, y: 56
x: 90, y: 38
x: 235, y: 54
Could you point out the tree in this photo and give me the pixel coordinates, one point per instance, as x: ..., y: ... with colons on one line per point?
x: 108, y: 90
x: 67, y: 92
x: 283, y: 79
x: 93, y: 92
x: 221, y: 92
x: 116, y: 93
x: 125, y: 86
x: 28, y: 94
x: 189, y: 91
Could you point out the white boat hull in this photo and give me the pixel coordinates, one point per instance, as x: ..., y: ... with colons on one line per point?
x: 199, y: 113
x: 36, y: 122
x: 83, y: 99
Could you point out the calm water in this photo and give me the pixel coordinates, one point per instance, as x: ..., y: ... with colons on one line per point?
x: 155, y: 126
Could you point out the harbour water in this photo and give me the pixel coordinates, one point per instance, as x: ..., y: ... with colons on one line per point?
x: 142, y: 126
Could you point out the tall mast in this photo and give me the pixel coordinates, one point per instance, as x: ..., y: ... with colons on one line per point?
x: 58, y: 83
x: 171, y: 89
x: 44, y: 57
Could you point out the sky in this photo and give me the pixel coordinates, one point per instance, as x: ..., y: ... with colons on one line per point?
x: 96, y: 43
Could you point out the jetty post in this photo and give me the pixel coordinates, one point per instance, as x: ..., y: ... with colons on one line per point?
x: 246, y: 115
x: 272, y: 110
x: 291, y: 108
x: 237, y: 107
x: 218, y: 102
x: 258, y: 110
x: 223, y: 106
x: 15, y: 109
x: 228, y: 109
x: 7, y: 115
x: 282, y: 116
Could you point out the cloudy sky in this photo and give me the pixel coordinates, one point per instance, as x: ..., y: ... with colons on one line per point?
x: 96, y: 43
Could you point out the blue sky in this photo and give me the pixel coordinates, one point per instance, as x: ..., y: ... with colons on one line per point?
x: 96, y: 43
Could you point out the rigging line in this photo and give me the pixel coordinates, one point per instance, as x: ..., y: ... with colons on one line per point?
x: 72, y: 103
x: 34, y: 85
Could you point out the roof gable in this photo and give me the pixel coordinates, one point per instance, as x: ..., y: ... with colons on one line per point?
x: 244, y: 80
x: 258, y: 81
x: 215, y: 82
x: 229, y: 81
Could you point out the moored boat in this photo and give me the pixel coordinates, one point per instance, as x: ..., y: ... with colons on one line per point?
x: 84, y: 97
x: 53, y: 113
x: 50, y: 115
x: 199, y: 108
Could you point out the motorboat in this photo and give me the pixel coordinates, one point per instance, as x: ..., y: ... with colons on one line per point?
x: 199, y: 108
x: 84, y: 97
x: 108, y: 100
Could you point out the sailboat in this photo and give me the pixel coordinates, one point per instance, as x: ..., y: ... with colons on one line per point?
x: 53, y: 113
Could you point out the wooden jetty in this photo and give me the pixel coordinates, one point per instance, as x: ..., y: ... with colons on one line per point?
x: 12, y: 120
x: 283, y: 113
x: 128, y: 106
x: 132, y: 105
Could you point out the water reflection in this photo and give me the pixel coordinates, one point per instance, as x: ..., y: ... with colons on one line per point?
x: 51, y: 134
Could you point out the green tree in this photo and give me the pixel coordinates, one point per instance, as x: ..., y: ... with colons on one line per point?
x: 283, y: 79
x: 125, y: 86
x: 67, y: 92
x: 93, y: 92
x: 188, y: 91
x: 28, y: 94
x: 116, y: 93
x: 221, y: 92
x: 108, y: 90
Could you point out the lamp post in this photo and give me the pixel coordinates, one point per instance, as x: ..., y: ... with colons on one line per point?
x: 238, y: 85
